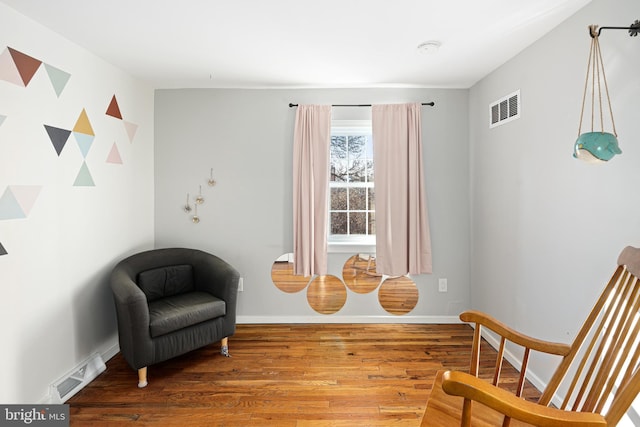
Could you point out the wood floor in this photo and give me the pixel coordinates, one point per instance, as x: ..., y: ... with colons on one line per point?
x: 288, y: 375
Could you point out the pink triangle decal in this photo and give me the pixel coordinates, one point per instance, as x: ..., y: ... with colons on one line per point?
x: 114, y: 155
x: 26, y: 196
x: 131, y: 129
x: 8, y: 70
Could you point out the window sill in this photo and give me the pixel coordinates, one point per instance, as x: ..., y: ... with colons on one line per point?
x: 351, y: 247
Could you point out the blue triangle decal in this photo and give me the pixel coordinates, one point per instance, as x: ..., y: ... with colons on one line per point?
x: 84, y: 178
x: 9, y: 206
x: 58, y: 78
x: 84, y: 142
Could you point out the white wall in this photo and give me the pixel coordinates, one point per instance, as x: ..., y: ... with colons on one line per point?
x: 546, y: 228
x: 56, y: 308
x: 246, y: 136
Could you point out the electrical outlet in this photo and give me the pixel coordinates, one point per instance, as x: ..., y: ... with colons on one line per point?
x: 442, y: 285
x: 241, y: 285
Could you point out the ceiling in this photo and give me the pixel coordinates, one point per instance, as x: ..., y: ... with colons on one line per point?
x: 300, y: 43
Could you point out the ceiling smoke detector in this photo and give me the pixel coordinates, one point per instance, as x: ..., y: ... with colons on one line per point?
x: 429, y: 48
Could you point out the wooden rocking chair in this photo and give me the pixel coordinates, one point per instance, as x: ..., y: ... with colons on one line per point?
x: 597, y: 379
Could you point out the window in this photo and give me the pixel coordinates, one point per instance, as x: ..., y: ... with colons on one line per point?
x: 351, y: 189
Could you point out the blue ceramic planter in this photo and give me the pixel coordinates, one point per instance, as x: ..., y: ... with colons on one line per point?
x: 596, y: 146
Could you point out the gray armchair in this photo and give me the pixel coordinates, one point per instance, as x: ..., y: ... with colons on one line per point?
x: 172, y: 301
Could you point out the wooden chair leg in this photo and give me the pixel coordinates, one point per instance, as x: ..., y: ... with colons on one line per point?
x: 142, y: 377
x: 224, y: 350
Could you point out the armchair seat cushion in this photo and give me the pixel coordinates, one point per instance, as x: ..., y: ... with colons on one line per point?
x: 172, y: 313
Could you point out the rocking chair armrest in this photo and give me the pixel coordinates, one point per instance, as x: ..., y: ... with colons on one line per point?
x: 473, y: 316
x: 503, y: 401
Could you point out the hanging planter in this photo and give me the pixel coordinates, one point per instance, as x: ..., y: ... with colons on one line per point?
x: 597, y: 145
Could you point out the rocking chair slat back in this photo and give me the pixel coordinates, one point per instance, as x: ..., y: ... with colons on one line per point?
x: 602, y: 365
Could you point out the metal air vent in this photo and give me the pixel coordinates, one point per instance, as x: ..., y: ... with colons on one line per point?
x: 504, y: 110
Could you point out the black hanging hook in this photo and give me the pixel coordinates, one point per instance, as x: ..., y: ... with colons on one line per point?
x: 633, y: 29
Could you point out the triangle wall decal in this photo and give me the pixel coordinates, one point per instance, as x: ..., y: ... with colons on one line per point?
x: 84, y: 178
x: 3, y: 251
x: 58, y: 137
x: 2, y: 119
x: 84, y: 142
x: 57, y: 77
x: 114, y: 110
x: 114, y: 155
x: 26, y: 196
x: 83, y: 125
x: 26, y: 65
x: 131, y: 129
x: 8, y: 70
x: 9, y: 206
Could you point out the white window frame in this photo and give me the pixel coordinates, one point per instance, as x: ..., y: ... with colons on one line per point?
x: 349, y: 243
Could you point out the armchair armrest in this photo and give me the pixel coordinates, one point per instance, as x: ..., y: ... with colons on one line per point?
x: 220, y: 279
x: 473, y: 316
x: 470, y: 387
x: 132, y: 313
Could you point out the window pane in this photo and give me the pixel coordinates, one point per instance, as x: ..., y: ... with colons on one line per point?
x: 338, y: 223
x: 338, y: 199
x: 357, y: 171
x: 372, y: 223
x: 369, y: 147
x: 372, y: 199
x: 357, y: 223
x: 338, y: 147
x: 357, y: 199
x: 357, y: 146
x: 338, y: 170
x: 370, y: 170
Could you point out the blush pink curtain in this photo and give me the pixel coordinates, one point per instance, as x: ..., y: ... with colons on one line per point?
x: 403, y: 241
x: 312, y: 136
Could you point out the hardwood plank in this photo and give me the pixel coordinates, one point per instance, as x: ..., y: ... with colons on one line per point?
x: 290, y: 375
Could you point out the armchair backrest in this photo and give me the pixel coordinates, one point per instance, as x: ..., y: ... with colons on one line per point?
x: 165, y: 272
x: 162, y: 282
x: 601, y: 371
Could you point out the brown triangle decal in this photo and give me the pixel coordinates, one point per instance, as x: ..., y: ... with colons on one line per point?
x: 114, y: 110
x: 26, y: 65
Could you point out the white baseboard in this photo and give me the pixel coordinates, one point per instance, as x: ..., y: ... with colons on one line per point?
x: 346, y: 319
x: 110, y: 352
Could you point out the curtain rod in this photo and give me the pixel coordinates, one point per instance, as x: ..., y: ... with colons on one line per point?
x: 360, y: 105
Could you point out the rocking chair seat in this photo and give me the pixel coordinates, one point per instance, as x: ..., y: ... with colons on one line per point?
x: 444, y: 409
